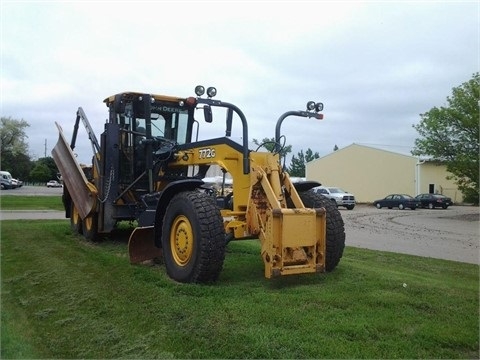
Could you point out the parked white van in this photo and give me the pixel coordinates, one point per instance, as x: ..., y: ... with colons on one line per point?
x: 6, y: 180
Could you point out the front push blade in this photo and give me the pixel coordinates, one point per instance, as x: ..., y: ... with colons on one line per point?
x: 141, y: 245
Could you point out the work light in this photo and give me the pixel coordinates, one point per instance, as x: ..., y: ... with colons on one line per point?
x: 199, y: 90
x: 211, y: 92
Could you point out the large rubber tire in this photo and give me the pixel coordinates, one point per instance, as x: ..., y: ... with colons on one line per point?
x: 75, y: 220
x: 335, y: 227
x: 90, y: 227
x: 193, y: 238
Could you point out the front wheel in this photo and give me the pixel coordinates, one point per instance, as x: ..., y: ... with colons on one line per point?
x: 378, y: 206
x: 401, y: 207
x: 193, y: 238
x: 335, y: 233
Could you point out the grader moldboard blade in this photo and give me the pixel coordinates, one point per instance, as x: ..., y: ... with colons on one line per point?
x: 141, y: 245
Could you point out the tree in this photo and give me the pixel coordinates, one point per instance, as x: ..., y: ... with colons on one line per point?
x: 18, y: 165
x: 40, y: 173
x: 450, y: 134
x: 310, y: 156
x: 12, y: 136
x: 297, y: 166
x: 44, y: 169
x: 50, y: 164
x: 269, y: 144
x: 14, y: 148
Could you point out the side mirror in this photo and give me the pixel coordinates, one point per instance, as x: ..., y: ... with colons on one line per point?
x: 207, y: 113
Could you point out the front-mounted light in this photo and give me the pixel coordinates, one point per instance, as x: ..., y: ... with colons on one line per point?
x: 199, y: 90
x: 310, y: 105
x: 211, y: 92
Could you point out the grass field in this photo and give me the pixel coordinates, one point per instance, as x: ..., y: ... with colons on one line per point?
x: 63, y: 297
x: 18, y: 202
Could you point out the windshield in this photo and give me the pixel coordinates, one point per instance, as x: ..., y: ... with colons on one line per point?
x: 170, y: 122
x: 167, y: 121
x: 336, y: 191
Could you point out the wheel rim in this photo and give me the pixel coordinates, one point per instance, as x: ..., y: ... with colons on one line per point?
x: 75, y: 216
x: 88, y: 222
x: 378, y: 206
x: 430, y: 206
x: 181, y: 240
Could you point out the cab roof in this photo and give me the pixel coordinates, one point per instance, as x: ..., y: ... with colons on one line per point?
x: 133, y: 94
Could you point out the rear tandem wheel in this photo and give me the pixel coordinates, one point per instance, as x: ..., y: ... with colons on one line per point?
x: 75, y: 219
x: 90, y: 227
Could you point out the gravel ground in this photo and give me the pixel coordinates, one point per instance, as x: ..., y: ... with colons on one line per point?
x: 451, y: 234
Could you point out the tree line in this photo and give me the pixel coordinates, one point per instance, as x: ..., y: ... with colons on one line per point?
x: 15, y: 157
x: 448, y: 134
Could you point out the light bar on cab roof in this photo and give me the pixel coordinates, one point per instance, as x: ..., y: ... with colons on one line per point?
x: 200, y: 90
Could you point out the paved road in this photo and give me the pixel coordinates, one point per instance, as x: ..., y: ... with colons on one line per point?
x: 33, y: 191
x: 451, y: 234
x: 31, y: 215
x: 28, y: 214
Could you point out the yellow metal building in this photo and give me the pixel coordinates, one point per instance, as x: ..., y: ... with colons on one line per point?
x: 370, y: 173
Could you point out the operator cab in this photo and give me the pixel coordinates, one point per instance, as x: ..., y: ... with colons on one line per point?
x: 160, y: 116
x: 149, y: 127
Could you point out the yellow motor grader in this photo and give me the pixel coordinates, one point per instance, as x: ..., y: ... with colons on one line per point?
x: 149, y: 167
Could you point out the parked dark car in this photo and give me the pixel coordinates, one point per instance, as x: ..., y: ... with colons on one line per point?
x: 401, y: 201
x: 432, y: 201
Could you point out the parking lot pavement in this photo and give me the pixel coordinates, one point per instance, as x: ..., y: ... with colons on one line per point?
x: 451, y: 234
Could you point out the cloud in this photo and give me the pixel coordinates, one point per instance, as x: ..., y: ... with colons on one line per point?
x: 376, y: 66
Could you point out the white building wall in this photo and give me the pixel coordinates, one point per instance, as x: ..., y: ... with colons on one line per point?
x: 366, y: 172
x: 433, y: 176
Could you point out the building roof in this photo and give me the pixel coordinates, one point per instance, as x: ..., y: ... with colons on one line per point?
x: 353, y: 145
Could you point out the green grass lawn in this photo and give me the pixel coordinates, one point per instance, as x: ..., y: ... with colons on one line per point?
x: 64, y: 297
x: 18, y: 202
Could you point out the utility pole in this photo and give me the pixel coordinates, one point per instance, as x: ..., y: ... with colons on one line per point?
x: 45, y: 148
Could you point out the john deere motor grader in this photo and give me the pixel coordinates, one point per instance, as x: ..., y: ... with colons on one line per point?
x: 148, y: 168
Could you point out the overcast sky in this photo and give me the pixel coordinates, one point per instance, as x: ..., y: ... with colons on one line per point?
x: 375, y: 65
